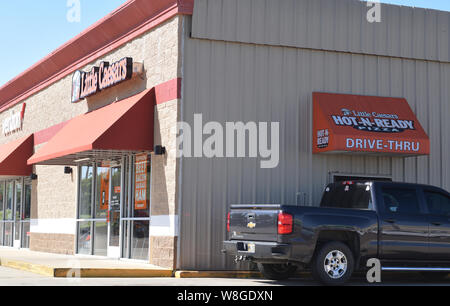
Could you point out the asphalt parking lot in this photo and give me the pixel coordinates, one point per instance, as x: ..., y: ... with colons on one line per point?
x: 12, y: 277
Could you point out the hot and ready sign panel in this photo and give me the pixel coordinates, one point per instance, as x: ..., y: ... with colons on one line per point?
x: 350, y: 123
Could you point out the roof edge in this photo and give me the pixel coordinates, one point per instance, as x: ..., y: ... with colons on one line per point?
x: 70, y: 57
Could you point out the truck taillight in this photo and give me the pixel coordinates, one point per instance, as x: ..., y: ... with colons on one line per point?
x: 285, y: 223
x: 228, y: 222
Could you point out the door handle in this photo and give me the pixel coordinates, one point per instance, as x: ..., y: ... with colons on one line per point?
x: 389, y: 221
x: 436, y: 223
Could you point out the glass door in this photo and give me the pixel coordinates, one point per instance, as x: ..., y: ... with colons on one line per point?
x: 114, y: 212
x: 114, y: 208
x: 99, y: 209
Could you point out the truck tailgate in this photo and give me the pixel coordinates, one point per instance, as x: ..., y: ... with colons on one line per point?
x: 254, y: 222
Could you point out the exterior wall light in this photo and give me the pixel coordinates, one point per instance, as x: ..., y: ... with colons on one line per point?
x: 68, y: 170
x: 160, y: 150
x: 33, y: 177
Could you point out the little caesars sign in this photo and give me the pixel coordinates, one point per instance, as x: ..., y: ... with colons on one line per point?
x: 13, y: 122
x: 85, y: 84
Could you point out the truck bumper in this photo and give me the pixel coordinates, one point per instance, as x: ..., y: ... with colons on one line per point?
x: 262, y: 250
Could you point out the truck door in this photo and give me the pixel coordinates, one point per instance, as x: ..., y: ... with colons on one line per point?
x: 438, y: 205
x: 403, y: 224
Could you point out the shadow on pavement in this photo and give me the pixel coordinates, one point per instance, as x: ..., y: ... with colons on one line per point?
x: 387, y: 279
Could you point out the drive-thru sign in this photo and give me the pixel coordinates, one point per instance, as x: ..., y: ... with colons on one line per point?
x: 350, y: 123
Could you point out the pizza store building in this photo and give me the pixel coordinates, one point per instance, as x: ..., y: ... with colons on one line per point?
x: 89, y: 155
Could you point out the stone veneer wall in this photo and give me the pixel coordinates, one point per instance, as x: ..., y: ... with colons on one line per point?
x: 163, y: 240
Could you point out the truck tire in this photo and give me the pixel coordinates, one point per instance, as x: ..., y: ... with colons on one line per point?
x: 277, y: 271
x: 333, y: 264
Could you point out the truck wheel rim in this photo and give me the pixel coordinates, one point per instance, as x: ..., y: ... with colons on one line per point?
x: 335, y: 264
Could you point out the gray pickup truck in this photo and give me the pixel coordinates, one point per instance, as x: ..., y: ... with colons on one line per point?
x: 405, y: 226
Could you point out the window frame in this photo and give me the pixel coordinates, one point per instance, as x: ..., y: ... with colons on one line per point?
x: 422, y: 208
x: 435, y: 191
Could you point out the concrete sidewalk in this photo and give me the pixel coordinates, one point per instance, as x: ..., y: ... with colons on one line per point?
x: 55, y: 265
x: 63, y: 266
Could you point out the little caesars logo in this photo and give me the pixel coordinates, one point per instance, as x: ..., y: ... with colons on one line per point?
x: 13, y: 122
x: 373, y: 121
x: 85, y: 84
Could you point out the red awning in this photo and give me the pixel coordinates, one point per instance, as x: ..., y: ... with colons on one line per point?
x: 14, y: 155
x: 366, y: 124
x: 108, y: 133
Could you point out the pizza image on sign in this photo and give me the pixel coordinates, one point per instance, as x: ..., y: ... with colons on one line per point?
x: 350, y: 123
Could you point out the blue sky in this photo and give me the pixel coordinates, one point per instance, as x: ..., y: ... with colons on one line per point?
x: 31, y: 29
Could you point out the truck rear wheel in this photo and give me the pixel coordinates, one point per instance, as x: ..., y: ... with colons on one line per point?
x: 277, y: 271
x: 333, y: 264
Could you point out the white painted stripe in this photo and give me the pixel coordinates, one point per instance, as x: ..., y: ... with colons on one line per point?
x: 53, y: 226
x: 164, y: 226
x: 160, y: 226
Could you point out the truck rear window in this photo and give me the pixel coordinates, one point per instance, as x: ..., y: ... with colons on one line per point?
x: 356, y: 196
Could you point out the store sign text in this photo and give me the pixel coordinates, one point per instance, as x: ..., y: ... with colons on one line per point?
x: 13, y: 122
x: 85, y: 84
x: 373, y: 122
x: 383, y: 144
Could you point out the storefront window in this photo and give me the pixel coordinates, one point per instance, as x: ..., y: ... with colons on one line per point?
x: 85, y: 192
x: 9, y: 201
x: 27, y: 202
x: 1, y: 232
x: 2, y: 210
x: 137, y: 227
x: 140, y: 240
x: 102, y: 192
x: 100, y: 238
x: 141, y: 187
x: 84, y: 238
x: 8, y: 238
x: 2, y: 206
x: 26, y: 235
x: 26, y: 212
x: 18, y: 210
x: 15, y: 207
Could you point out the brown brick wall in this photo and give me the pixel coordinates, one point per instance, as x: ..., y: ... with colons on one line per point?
x: 56, y: 193
x: 163, y: 251
x: 164, y: 168
x: 53, y: 243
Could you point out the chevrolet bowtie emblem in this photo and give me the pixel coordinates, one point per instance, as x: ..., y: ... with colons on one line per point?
x: 251, y: 225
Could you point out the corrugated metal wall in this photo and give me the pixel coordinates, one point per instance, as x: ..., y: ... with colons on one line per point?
x: 228, y: 81
x: 339, y: 25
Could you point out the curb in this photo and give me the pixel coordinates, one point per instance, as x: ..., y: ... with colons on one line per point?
x: 110, y: 273
x: 217, y: 274
x: 28, y: 267
x: 84, y: 272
